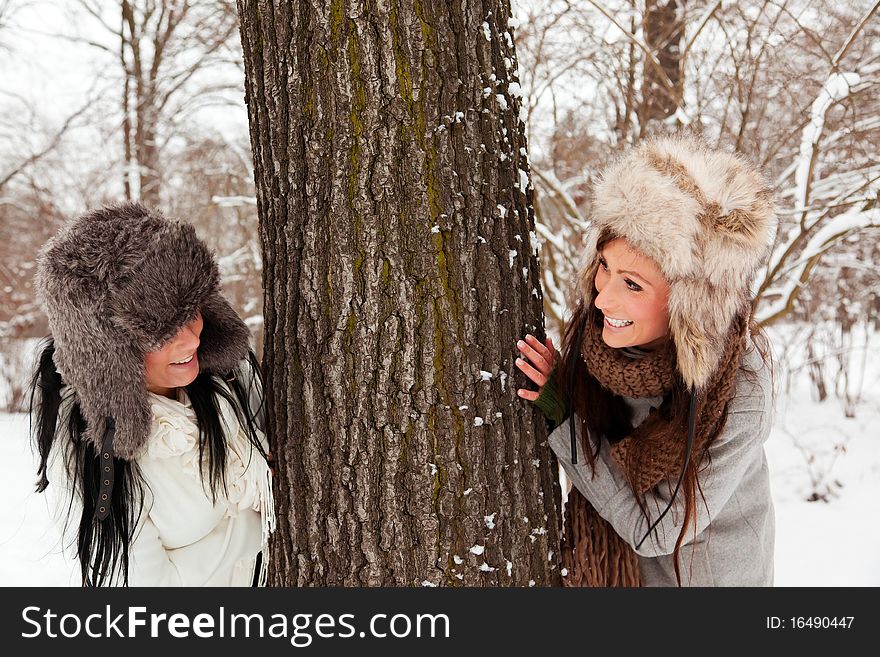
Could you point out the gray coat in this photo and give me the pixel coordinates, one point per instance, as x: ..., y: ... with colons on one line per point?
x: 736, y: 524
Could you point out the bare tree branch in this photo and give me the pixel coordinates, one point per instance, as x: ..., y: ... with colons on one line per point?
x: 840, y: 54
x: 53, y: 143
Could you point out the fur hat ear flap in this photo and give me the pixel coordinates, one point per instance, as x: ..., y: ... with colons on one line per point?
x: 700, y: 314
x: 225, y: 337
x: 117, y: 391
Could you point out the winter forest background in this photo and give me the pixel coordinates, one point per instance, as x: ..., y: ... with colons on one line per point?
x: 102, y: 100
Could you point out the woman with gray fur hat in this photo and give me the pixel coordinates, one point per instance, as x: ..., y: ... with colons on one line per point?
x: 147, y: 407
x: 668, y: 376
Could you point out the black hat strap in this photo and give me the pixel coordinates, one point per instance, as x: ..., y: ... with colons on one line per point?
x: 105, y: 458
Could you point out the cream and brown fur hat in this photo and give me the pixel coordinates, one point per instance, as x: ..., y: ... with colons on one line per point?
x: 116, y: 283
x: 707, y: 218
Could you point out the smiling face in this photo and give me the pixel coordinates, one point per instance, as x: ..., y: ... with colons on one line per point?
x: 176, y: 364
x: 632, y: 295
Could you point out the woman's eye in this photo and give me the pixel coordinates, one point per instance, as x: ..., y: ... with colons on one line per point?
x: 603, y: 264
x: 635, y: 287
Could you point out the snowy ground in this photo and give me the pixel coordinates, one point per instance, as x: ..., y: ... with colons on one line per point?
x: 814, y: 449
x: 834, y: 542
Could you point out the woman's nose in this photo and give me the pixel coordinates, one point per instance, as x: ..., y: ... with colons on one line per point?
x: 604, y: 297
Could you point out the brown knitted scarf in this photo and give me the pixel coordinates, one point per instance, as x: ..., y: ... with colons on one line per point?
x: 591, y: 551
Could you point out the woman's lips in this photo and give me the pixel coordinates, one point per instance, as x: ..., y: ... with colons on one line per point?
x: 190, y: 363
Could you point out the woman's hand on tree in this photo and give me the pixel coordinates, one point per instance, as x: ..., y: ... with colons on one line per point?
x: 537, y: 363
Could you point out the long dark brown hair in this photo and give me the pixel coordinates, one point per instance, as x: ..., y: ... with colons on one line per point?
x: 605, y: 415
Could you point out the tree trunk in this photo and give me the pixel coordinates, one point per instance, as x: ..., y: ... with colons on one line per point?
x: 662, y: 88
x: 140, y: 120
x: 399, y: 271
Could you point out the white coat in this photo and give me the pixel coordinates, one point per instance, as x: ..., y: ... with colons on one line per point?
x: 184, y: 538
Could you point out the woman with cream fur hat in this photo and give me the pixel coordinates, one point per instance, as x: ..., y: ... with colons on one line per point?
x: 147, y: 407
x: 668, y: 377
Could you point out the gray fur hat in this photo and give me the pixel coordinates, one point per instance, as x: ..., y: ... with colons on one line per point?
x: 707, y: 218
x: 116, y: 283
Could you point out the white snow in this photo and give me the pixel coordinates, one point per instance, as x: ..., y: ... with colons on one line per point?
x: 233, y: 201
x: 523, y: 181
x: 490, y: 521
x: 477, y: 549
x: 486, y: 31
x: 682, y: 116
x: 502, y: 101
x: 535, y: 242
x: 478, y: 421
x: 485, y: 376
x: 836, y: 87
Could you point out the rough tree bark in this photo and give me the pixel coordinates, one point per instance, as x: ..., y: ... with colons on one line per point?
x: 396, y: 224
